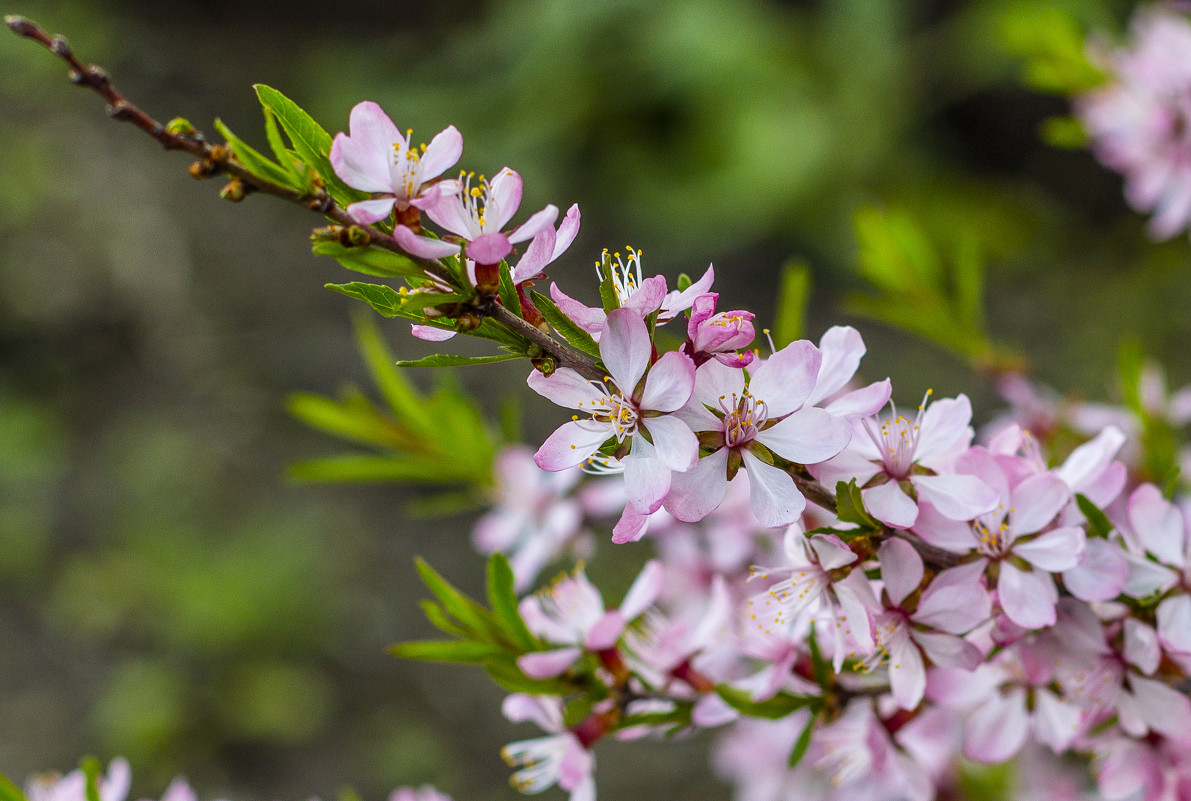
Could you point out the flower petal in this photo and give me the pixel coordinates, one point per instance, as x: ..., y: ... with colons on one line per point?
x: 1158, y: 524
x: 956, y: 496
x: 669, y: 384
x: 548, y: 664
x: 566, y: 387
x: 807, y: 436
x: 1054, y: 551
x: 699, y: 492
x: 787, y: 378
x: 366, y: 212
x: 538, y: 221
x: 863, y: 402
x: 423, y: 246
x: 489, y: 248
x: 956, y: 600
x: 443, y: 151
x: 774, y: 498
x: 1101, y: 573
x: 430, y: 333
x: 675, y: 444
x: 572, y: 444
x: 1035, y: 502
x: 901, y: 569
x: 646, y: 479
x: 1028, y: 598
x: 504, y: 197
x: 625, y: 348
x: 997, y: 729
x: 889, y: 503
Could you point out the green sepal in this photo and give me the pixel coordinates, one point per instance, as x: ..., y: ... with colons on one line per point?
x: 1098, y: 523
x: 793, y: 293
x: 462, y: 651
x: 255, y: 162
x: 311, y: 142
x: 803, y: 742
x: 502, y: 597
x: 455, y: 360
x: 683, y: 283
x: 384, y: 299
x: 508, y: 290
x: 849, y: 506
x: 9, y: 791
x: 775, y: 708
x: 608, y: 297
x: 571, y: 332
x: 368, y: 260
x: 577, y: 710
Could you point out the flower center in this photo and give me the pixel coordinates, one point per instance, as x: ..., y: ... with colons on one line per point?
x: 992, y: 533
x: 897, y: 439
x: 406, y: 161
x: 744, y: 416
x: 625, y: 276
x: 477, y: 201
x: 619, y: 411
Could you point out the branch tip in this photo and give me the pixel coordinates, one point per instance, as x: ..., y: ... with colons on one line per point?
x: 19, y: 25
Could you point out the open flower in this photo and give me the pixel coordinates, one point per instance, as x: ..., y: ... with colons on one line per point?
x: 376, y: 157
x: 545, y: 761
x: 638, y: 415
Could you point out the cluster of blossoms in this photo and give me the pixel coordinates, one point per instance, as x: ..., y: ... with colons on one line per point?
x: 1139, y: 121
x: 924, y: 597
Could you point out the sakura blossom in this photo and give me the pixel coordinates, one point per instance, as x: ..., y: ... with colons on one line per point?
x: 559, y: 758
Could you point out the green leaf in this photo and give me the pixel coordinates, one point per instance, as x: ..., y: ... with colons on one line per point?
x: 1052, y: 45
x: 502, y: 597
x: 508, y: 290
x: 571, y: 332
x: 793, y: 294
x: 9, y: 791
x: 464, y: 651
x: 1098, y: 523
x: 416, y: 301
x: 775, y: 708
x: 384, y: 299
x: 471, y: 615
x: 454, y: 360
x: 439, y: 619
x: 353, y: 417
x: 91, y: 770
x: 312, y: 143
x: 608, y: 296
x: 895, y: 253
x: 803, y: 743
x: 683, y: 283
x: 849, y: 505
x: 367, y: 469
x: 820, y: 667
x: 406, y: 403
x: 369, y: 260
x: 678, y: 718
x: 577, y: 710
x: 255, y: 162
x: 285, y: 157
x: 1067, y: 133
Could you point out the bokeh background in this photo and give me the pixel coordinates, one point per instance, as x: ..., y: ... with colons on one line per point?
x: 166, y: 594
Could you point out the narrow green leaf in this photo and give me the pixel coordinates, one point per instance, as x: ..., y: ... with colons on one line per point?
x: 608, y: 296
x: 508, y: 290
x: 409, y: 407
x: 793, y: 294
x: 464, y: 651
x: 439, y: 619
x: 386, y: 300
x: 364, y: 469
x: 564, y: 325
x: 369, y: 260
x: 312, y: 143
x: 353, y: 417
x: 454, y: 360
x: 1066, y: 133
x: 820, y: 667
x: 502, y: 597
x: 91, y: 771
x: 9, y: 791
x: 775, y: 708
x: 683, y: 283
x: 850, y: 506
x: 1098, y: 523
x: 803, y: 743
x: 284, y: 156
x: 254, y: 161
x: 471, y: 615
x: 416, y: 301
x: 678, y: 718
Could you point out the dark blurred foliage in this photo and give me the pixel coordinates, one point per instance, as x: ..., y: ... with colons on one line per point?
x: 166, y: 595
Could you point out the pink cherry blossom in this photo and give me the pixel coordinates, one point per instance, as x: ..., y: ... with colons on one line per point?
x: 718, y: 336
x: 558, y: 759
x: 377, y: 158
x: 625, y: 412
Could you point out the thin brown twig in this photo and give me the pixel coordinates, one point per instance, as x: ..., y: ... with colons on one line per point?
x: 220, y: 159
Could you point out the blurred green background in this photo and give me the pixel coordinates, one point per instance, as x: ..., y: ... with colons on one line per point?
x: 165, y: 594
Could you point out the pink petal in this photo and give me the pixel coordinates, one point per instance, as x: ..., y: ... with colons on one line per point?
x: 1158, y: 524
x: 566, y: 387
x: 997, y: 729
x: 631, y: 526
x: 842, y: 349
x: 538, y: 221
x: 1036, y: 501
x: 1055, y: 722
x: 889, y: 504
x: 676, y: 446
x: 572, y: 444
x: 829, y: 550
x: 443, y: 203
x: 504, y: 196
x: 907, y: 674
x: 548, y: 664
x: 545, y: 711
x: 677, y: 301
x: 1100, y: 574
x: 366, y: 212
x: 1163, y: 708
x: 567, y: 231
x: 1054, y: 551
x: 948, y: 650
x: 956, y: 496
x: 430, y: 333
x: 1089, y: 460
x: 807, y: 436
x: 489, y: 248
x: 648, y: 297
x: 536, y: 257
x: 1174, y: 623
x: 955, y: 601
x: 944, y: 426
x: 844, y: 467
x: 443, y: 151
x: 625, y: 348
x: 1147, y: 577
x: 774, y: 498
x: 695, y: 494
x: 786, y: 378
x: 644, y: 590
x: 669, y: 384
x: 589, y: 319
x: 943, y: 532
x: 606, y: 631
x: 646, y: 479
x: 901, y: 569
x: 1141, y: 647
x: 423, y: 246
x: 1027, y: 598
x: 863, y: 402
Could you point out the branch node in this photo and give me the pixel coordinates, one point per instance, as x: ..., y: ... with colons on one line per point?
x: 60, y: 47
x: 98, y: 76
x: 76, y: 77
x: 120, y: 110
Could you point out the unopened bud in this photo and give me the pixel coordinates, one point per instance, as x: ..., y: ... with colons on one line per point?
x: 120, y: 110
x: 98, y: 75
x: 60, y: 47
x: 234, y: 191
x: 544, y: 365
x: 202, y: 169
x: 358, y: 236
x: 218, y: 153
x: 179, y: 126
x: 468, y: 321
x: 18, y: 24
